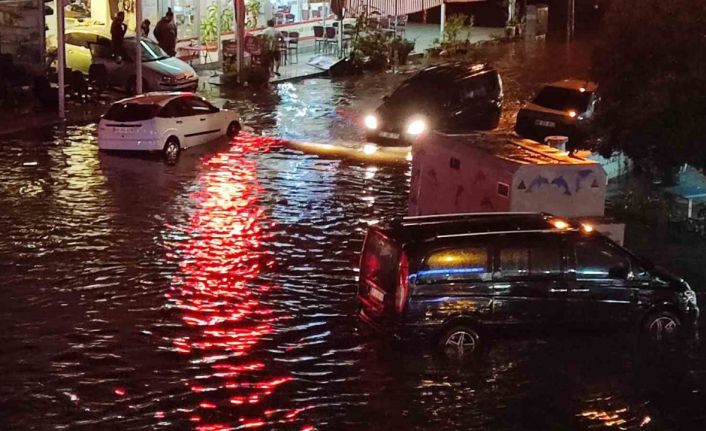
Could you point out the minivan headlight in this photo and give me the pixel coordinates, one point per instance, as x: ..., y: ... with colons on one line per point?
x: 416, y: 127
x: 371, y: 122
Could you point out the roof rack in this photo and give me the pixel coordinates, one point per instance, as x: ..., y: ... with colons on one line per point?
x: 463, y: 235
x: 417, y: 220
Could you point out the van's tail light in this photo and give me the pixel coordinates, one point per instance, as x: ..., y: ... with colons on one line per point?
x: 402, y: 291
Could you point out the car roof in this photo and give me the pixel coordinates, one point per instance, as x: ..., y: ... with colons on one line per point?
x: 453, y: 71
x: 575, y: 84
x: 432, y: 227
x: 160, y: 98
x: 99, y: 30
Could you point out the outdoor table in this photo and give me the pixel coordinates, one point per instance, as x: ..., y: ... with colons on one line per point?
x: 195, y: 52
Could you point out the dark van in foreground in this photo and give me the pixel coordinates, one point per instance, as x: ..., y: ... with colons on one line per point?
x: 452, y: 279
x: 453, y: 97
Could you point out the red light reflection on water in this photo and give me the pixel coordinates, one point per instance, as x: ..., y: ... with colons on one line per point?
x: 216, y: 294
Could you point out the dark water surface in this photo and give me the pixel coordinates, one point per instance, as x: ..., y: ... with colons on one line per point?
x: 219, y: 293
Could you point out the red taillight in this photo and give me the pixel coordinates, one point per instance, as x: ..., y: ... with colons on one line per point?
x: 402, y: 285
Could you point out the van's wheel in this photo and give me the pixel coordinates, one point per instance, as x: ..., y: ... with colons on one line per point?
x: 171, y: 150
x: 459, y: 342
x: 662, y: 326
x: 233, y: 129
x: 131, y: 86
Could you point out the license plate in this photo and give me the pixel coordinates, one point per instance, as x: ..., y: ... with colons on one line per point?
x: 377, y: 294
x: 390, y: 135
x: 545, y: 123
x: 123, y: 129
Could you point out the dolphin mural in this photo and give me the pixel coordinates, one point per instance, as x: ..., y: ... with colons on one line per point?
x: 562, y: 184
x: 536, y: 183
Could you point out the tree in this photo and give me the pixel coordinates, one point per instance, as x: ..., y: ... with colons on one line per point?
x: 650, y: 64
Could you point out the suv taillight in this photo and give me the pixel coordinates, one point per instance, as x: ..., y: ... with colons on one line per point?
x: 402, y: 285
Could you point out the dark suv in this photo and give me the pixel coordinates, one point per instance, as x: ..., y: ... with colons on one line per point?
x: 454, y: 98
x: 563, y: 108
x: 455, y: 278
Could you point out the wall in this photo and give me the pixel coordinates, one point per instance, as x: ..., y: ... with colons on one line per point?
x: 21, y: 31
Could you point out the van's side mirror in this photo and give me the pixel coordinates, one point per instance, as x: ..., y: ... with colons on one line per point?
x: 618, y: 272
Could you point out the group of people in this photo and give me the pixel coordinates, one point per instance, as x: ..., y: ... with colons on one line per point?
x: 165, y: 32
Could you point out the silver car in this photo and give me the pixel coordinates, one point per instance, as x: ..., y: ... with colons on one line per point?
x: 91, y: 45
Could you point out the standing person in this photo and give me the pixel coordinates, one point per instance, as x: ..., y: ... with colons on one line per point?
x: 272, y: 37
x: 166, y: 33
x: 145, y: 28
x: 117, y: 34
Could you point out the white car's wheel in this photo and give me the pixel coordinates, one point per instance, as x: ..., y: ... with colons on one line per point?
x: 233, y: 129
x: 171, y: 150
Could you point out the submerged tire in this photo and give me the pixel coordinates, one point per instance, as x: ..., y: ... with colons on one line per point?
x: 233, y: 129
x: 171, y: 150
x: 459, y: 342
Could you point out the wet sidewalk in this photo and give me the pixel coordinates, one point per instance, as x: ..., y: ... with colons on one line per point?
x: 301, y: 65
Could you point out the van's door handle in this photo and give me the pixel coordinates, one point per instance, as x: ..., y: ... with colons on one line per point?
x: 202, y: 119
x: 179, y: 122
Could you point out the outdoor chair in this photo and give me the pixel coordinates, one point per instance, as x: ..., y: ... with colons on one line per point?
x: 331, y: 39
x: 401, y: 25
x: 293, y: 45
x: 319, y: 39
x: 289, y: 18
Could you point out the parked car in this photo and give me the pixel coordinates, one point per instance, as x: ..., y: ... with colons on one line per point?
x: 454, y: 279
x: 91, y: 45
x: 162, y: 121
x: 453, y: 97
x: 563, y: 108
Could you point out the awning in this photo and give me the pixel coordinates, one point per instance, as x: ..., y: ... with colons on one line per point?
x: 387, y: 7
x: 404, y: 7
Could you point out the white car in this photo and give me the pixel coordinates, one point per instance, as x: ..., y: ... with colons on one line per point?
x: 167, y: 122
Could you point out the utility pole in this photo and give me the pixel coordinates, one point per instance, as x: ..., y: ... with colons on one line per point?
x: 138, y: 46
x: 442, y: 23
x: 570, y: 17
x: 61, y: 58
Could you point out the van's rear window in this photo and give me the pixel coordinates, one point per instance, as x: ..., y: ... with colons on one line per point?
x: 380, y: 261
x: 131, y: 112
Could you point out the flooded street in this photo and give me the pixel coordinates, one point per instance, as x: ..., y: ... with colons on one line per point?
x: 219, y: 293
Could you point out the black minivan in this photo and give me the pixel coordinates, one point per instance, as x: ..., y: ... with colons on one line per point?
x: 452, y: 97
x: 454, y: 279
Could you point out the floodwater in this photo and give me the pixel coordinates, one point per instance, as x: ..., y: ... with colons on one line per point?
x: 219, y: 293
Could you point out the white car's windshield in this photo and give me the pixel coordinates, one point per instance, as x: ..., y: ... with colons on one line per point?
x: 150, y: 50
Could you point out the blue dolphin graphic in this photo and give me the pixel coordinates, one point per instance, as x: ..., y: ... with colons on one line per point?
x: 562, y: 184
x: 537, y: 183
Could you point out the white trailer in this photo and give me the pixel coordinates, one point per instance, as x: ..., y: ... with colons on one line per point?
x: 491, y: 171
